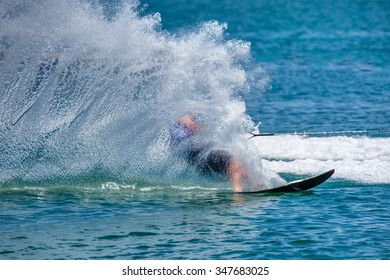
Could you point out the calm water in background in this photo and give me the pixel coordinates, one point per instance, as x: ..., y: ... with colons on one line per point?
x: 329, y: 65
x: 328, y: 60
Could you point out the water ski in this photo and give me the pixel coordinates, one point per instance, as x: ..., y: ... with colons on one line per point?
x: 299, y: 185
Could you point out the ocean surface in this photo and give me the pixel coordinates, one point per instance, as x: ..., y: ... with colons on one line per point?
x: 90, y: 88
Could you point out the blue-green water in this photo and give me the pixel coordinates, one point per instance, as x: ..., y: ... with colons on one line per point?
x: 336, y: 221
x: 84, y: 167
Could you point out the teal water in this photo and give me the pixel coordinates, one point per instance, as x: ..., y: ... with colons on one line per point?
x: 327, y: 60
x: 84, y: 172
x: 336, y: 221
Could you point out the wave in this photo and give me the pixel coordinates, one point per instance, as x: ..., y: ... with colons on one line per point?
x: 359, y: 159
x: 89, y: 97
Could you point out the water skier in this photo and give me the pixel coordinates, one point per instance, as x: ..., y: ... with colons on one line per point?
x: 187, y: 141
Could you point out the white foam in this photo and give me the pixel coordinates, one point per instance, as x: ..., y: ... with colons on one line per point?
x: 116, y: 186
x: 361, y: 159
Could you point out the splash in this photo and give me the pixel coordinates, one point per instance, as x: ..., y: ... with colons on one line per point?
x: 85, y: 96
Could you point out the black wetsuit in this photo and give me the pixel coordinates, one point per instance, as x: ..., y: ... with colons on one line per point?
x: 189, y: 146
